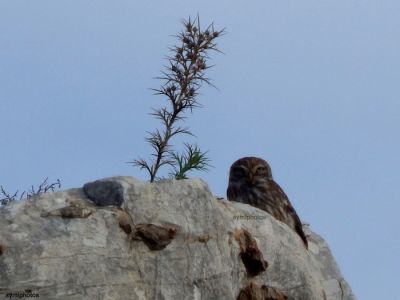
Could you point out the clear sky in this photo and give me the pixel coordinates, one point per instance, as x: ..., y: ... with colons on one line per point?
x: 311, y: 86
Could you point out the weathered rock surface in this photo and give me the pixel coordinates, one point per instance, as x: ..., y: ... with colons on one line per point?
x: 255, y: 292
x: 168, y: 240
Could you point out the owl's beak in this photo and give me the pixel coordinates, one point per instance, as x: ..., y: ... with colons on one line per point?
x: 251, y: 177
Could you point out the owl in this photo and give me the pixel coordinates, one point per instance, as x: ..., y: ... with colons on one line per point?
x: 250, y: 182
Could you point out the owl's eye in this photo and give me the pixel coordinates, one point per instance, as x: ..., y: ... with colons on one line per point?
x: 260, y: 170
x: 240, y: 171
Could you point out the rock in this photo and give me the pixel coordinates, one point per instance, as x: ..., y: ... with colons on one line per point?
x: 335, y: 286
x: 108, y: 191
x: 165, y: 240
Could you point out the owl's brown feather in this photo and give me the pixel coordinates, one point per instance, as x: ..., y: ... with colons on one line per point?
x: 251, y: 182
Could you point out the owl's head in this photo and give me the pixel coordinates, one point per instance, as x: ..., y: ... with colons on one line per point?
x: 250, y: 170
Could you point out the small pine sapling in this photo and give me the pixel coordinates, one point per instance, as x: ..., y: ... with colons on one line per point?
x: 182, y: 80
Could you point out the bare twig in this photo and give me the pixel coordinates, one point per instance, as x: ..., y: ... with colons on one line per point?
x: 41, y: 189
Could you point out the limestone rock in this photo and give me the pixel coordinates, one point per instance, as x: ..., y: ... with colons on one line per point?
x: 106, y: 254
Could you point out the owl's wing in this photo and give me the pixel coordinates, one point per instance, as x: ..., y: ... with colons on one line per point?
x: 289, y: 210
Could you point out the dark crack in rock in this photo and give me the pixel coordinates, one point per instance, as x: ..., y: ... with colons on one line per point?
x: 250, y: 254
x: 155, y: 237
x: 125, y: 221
x: 204, y: 238
x: 255, y: 292
x: 69, y: 212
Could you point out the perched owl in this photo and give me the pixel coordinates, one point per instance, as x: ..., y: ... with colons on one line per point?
x: 250, y: 182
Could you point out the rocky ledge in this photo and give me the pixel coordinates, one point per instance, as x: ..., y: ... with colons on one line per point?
x: 120, y: 238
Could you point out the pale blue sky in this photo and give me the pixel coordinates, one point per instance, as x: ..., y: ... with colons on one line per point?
x: 311, y: 86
